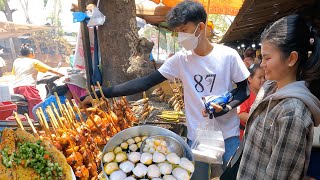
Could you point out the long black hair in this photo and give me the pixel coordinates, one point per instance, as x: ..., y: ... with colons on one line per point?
x: 293, y: 33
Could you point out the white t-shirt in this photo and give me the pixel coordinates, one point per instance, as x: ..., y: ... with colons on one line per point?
x: 207, y: 75
x: 25, y: 72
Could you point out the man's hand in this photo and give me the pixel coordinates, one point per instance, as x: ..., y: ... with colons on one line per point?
x: 217, y: 109
x: 87, y: 101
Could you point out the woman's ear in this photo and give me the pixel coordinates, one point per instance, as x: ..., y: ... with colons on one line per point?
x: 293, y: 58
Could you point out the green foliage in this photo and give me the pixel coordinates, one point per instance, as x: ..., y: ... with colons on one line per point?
x: 2, y: 3
x: 45, y: 2
x: 220, y: 22
x: 49, y: 40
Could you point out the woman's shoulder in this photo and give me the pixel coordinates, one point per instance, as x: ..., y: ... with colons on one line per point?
x: 296, y: 108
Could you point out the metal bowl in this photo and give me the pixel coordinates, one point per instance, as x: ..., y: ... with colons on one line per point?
x: 144, y: 130
x: 172, y: 144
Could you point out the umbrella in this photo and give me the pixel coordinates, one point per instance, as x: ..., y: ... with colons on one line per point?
x: 227, y: 7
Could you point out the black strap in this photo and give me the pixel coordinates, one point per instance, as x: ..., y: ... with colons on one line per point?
x: 231, y: 171
x: 242, y: 127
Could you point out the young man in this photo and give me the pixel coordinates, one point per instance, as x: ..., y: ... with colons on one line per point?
x: 204, y: 69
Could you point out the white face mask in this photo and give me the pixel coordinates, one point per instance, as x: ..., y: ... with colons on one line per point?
x: 188, y: 40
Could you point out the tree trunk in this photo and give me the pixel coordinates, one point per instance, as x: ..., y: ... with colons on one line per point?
x: 14, y: 42
x: 123, y: 55
x: 117, y: 38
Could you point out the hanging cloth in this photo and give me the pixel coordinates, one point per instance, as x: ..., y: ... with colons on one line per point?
x: 96, y: 76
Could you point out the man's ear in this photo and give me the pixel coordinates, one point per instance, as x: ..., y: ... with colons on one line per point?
x: 202, y: 26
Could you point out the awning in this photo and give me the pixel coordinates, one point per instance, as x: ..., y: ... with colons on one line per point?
x: 154, y: 11
x: 227, y: 7
x: 11, y: 29
x: 255, y: 16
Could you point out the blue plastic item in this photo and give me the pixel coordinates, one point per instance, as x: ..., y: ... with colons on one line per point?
x: 219, y: 100
x: 79, y: 16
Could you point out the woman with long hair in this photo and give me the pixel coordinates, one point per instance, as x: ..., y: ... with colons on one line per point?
x: 279, y: 131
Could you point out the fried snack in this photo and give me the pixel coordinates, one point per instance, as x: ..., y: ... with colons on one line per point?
x: 21, y: 172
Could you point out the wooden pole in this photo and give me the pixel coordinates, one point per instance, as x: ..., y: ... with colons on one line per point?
x: 86, y: 44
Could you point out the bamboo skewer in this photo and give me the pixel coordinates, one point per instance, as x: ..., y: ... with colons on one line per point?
x: 71, y: 112
x: 41, y: 120
x: 87, y: 113
x: 53, y: 117
x: 31, y: 125
x: 44, y: 120
x: 100, y: 89
x: 58, y: 102
x: 68, y: 117
x: 55, y: 128
x: 94, y: 93
x: 57, y: 114
x: 18, y: 120
x: 77, y: 110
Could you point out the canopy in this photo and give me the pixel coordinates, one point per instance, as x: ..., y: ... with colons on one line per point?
x: 254, y: 16
x: 227, y: 7
x: 11, y: 29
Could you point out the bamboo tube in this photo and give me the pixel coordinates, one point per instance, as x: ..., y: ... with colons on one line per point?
x: 18, y: 120
x: 31, y: 125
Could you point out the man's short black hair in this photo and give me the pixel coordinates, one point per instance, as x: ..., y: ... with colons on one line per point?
x: 186, y: 11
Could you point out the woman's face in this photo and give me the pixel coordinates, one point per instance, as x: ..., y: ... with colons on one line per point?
x: 275, y: 68
x: 257, y: 80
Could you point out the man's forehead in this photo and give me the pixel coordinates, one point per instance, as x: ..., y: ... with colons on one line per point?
x: 185, y: 26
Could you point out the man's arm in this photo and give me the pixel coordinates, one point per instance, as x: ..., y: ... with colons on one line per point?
x: 131, y: 87
x: 240, y: 94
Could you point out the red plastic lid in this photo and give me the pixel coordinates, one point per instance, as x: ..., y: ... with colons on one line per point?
x: 7, y: 106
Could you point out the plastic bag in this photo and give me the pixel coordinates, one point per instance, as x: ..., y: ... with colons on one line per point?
x: 209, y: 145
x: 97, y: 18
